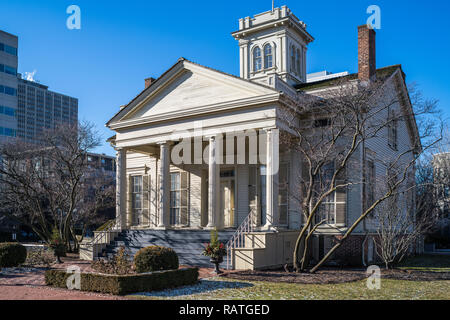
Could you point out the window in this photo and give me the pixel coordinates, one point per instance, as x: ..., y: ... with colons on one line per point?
x: 8, y: 70
x: 253, y: 191
x: 283, y: 193
x: 332, y: 209
x: 293, y: 59
x: 8, y: 111
x: 268, y: 56
x: 371, y: 174
x: 298, y: 62
x: 179, y: 200
x: 137, y: 198
x: 7, y: 132
x: 392, y: 130
x: 257, y: 193
x: 8, y: 49
x: 321, y: 123
x: 8, y: 90
x: 257, y: 63
x: 263, y: 198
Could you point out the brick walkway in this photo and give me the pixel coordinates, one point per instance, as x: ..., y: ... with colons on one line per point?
x: 29, y: 284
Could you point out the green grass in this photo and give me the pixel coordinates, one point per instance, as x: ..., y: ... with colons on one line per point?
x: 253, y: 290
x: 432, y: 263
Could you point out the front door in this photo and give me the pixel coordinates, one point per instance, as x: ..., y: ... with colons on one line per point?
x: 227, y: 201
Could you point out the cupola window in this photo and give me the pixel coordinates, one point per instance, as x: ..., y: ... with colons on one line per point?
x: 257, y: 59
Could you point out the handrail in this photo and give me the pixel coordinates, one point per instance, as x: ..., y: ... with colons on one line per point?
x: 238, y: 238
x: 109, y: 227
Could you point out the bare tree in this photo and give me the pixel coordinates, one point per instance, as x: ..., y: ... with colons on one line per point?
x: 330, y: 131
x: 45, y: 185
x: 400, y: 225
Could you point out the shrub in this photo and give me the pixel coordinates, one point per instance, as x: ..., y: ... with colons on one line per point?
x: 215, y: 249
x: 12, y: 254
x: 58, y: 245
x: 40, y: 257
x: 125, y: 284
x: 119, y: 264
x: 155, y: 258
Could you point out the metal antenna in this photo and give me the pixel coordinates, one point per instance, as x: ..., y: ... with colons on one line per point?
x: 273, y: 5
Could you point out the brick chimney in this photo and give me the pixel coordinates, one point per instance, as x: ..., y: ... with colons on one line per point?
x: 148, y: 82
x: 366, y: 53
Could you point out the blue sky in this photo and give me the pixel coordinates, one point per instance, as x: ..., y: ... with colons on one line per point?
x: 121, y: 43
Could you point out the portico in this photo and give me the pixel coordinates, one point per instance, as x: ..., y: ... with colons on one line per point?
x: 213, y: 192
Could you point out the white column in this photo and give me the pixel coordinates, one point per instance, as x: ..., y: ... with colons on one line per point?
x: 164, y: 186
x: 213, y: 185
x: 121, y: 188
x: 272, y: 216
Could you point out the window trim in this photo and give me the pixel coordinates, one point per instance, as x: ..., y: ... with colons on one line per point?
x: 392, y: 130
x: 256, y: 58
x: 267, y: 55
x: 137, y: 212
x: 174, y: 218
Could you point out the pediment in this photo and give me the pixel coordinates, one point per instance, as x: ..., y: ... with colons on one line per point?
x: 188, y: 88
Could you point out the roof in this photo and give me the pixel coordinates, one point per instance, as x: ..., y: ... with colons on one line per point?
x: 382, y: 73
x: 180, y: 61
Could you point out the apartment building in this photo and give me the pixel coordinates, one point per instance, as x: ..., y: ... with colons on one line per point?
x: 27, y: 108
x: 39, y: 109
x: 8, y: 85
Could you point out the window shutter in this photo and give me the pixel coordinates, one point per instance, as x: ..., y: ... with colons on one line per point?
x: 145, y: 204
x: 130, y: 201
x: 341, y: 200
x: 305, y: 178
x: 252, y: 193
x: 184, y: 195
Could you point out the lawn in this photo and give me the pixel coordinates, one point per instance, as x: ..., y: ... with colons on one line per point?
x: 225, y: 289
x: 427, y: 262
x: 220, y: 288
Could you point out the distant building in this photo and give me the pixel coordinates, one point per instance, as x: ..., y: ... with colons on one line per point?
x: 8, y: 85
x: 27, y: 107
x: 324, y: 75
x: 103, y: 162
x: 441, y: 170
x: 40, y: 109
x: 441, y: 166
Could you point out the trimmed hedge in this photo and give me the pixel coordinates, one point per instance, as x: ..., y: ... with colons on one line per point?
x: 125, y: 284
x: 155, y: 258
x: 12, y: 254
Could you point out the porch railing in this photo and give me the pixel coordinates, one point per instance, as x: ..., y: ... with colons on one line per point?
x: 238, y: 239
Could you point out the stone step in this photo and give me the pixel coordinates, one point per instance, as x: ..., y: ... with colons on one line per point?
x: 188, y: 244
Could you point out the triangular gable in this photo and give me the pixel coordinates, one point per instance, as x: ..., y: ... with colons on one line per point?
x: 188, y: 86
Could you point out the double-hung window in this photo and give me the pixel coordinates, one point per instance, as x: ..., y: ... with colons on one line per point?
x: 392, y: 130
x: 257, y: 59
x: 179, y: 201
x: 283, y: 193
x: 137, y: 199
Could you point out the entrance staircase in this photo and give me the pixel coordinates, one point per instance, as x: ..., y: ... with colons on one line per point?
x: 188, y: 244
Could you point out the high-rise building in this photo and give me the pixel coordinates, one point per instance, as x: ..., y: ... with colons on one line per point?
x: 8, y: 85
x: 39, y: 109
x: 28, y: 107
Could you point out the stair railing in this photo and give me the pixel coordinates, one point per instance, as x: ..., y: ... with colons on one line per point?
x: 238, y: 239
x: 99, y: 237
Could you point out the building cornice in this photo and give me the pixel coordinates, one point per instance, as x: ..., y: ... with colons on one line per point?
x: 202, y: 110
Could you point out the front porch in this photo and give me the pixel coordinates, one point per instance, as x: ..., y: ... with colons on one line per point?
x: 155, y: 191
